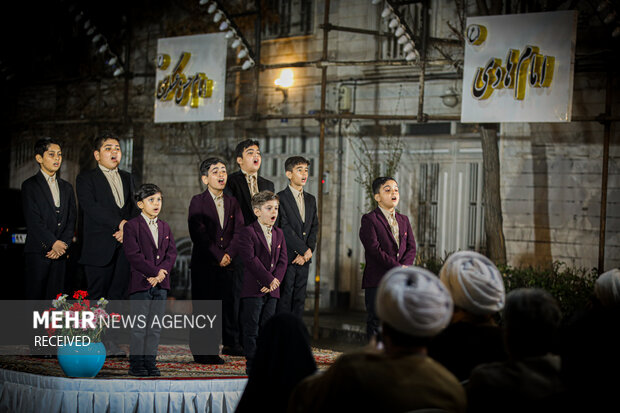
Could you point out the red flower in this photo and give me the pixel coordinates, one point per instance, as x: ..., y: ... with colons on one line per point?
x: 115, y: 316
x: 80, y: 294
x: 58, y: 296
x: 86, y: 304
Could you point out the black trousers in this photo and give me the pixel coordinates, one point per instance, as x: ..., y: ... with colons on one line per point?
x: 110, y: 281
x: 372, y: 321
x: 255, y: 312
x: 45, y: 278
x: 146, y: 305
x: 293, y: 290
x: 221, y: 283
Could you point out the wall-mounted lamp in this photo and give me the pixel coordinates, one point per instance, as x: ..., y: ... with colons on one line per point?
x: 450, y: 98
x: 284, y: 82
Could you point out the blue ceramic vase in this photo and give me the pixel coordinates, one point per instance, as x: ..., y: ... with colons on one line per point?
x: 81, y: 361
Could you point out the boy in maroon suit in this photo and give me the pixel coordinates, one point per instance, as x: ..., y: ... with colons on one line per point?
x: 263, y: 250
x: 388, y: 242
x: 215, y: 220
x: 151, y: 252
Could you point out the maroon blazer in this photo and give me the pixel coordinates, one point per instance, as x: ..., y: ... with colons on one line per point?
x: 261, y: 266
x: 380, y: 249
x: 211, y: 241
x: 144, y: 258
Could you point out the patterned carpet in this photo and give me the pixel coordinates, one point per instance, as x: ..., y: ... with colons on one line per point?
x: 174, y: 361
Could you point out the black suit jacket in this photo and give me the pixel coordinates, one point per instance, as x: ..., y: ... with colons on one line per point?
x: 44, y: 225
x: 299, y: 235
x: 237, y: 186
x: 101, y: 214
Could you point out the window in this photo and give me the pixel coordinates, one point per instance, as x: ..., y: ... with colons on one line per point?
x: 427, y: 209
x: 292, y: 18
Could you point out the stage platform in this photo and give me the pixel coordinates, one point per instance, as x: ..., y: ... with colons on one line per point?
x: 29, y: 384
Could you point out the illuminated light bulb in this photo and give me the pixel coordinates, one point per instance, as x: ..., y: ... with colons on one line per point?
x: 79, y: 17
x: 119, y: 71
x: 230, y: 34
x: 224, y: 25
x: 242, y: 53
x: 236, y: 43
x: 394, y: 23
x: 286, y: 79
x: 97, y: 37
x: 409, y: 47
x: 400, y: 31
x: 87, y: 24
x: 247, y: 64
x: 386, y: 12
x: 112, y: 61
x: 403, y: 39
x: 203, y: 2
x: 91, y: 31
x: 218, y: 16
x: 103, y: 48
x: 212, y: 8
x: 376, y: 1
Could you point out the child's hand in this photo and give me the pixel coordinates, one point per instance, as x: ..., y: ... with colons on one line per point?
x: 52, y: 255
x: 308, y: 255
x: 152, y: 281
x: 161, y: 275
x: 299, y: 260
x: 275, y: 283
x: 118, y: 235
x: 264, y: 290
x: 59, y: 248
x: 225, y: 260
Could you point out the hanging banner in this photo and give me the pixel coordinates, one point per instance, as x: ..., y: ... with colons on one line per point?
x: 519, y: 68
x: 190, y: 78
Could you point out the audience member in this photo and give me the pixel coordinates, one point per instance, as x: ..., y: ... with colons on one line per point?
x: 530, y: 380
x: 589, y: 348
x: 283, y: 358
x: 413, y: 306
x: 473, y: 337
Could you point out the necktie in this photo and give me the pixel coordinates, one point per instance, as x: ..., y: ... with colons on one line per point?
x: 253, y: 185
x: 154, y: 231
x: 117, y: 188
x: 301, y: 206
x: 55, y: 192
x: 268, y: 236
x: 219, y: 205
x: 394, y: 227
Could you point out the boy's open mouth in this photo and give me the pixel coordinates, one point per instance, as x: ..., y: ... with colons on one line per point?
x: 220, y: 181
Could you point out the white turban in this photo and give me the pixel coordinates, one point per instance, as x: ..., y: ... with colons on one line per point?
x: 474, y: 281
x: 413, y: 301
x: 607, y: 288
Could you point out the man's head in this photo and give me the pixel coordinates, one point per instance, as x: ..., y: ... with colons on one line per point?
x: 475, y: 283
x: 48, y: 155
x: 266, y: 205
x: 296, y: 169
x: 414, y: 303
x: 386, y: 193
x: 149, y: 199
x: 107, y: 150
x: 531, y: 319
x: 248, y: 156
x: 213, y: 173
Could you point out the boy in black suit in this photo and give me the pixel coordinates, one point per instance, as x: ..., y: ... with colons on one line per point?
x: 246, y: 183
x: 49, y: 209
x: 300, y: 223
x: 243, y: 185
x: 105, y: 195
